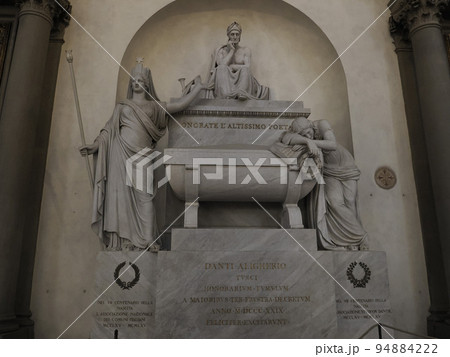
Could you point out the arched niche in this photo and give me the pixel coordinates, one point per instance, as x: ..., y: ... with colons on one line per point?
x: 289, y: 52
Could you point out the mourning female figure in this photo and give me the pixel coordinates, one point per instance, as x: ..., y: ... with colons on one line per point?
x: 124, y: 216
x: 332, y: 208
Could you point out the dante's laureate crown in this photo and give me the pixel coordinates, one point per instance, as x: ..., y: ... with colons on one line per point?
x: 234, y: 26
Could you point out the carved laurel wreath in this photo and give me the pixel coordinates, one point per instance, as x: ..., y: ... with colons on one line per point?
x: 358, y: 283
x: 126, y: 285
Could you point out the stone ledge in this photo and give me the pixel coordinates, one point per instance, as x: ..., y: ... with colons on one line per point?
x: 247, y: 108
x: 243, y: 239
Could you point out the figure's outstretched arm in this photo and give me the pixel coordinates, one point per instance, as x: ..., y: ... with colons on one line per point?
x: 187, y: 99
x: 294, y: 139
x: 89, y: 149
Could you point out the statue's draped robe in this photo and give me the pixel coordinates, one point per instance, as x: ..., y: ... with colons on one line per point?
x: 123, y: 214
x: 226, y: 83
x: 332, y: 208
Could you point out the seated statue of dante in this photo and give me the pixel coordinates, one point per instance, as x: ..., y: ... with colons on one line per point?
x: 230, y: 75
x: 333, y: 207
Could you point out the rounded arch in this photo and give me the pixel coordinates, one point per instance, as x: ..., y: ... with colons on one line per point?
x: 289, y: 51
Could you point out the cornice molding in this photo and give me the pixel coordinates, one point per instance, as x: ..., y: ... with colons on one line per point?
x: 42, y: 8
x: 400, y: 36
x: 415, y: 14
x: 61, y: 19
x: 49, y: 10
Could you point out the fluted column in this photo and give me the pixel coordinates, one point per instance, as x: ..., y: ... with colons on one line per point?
x: 18, y: 125
x: 437, y: 282
x: 421, y: 18
x: 32, y: 211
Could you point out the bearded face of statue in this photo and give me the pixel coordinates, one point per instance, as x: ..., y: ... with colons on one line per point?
x: 235, y: 37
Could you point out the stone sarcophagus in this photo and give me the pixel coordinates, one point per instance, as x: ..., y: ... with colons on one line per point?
x: 230, y: 162
x: 237, y: 173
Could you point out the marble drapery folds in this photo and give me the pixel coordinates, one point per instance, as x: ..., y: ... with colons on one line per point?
x: 122, y: 212
x: 333, y: 208
x: 225, y: 82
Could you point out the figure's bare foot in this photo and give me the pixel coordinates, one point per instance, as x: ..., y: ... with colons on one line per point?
x: 154, y: 248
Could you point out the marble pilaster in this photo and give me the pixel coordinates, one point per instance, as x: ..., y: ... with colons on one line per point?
x: 428, y: 95
x: 23, y: 295
x: 19, y: 134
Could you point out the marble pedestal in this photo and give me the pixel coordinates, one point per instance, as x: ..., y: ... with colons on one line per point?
x: 261, y: 283
x: 362, y: 292
x: 125, y: 308
x: 266, y: 286
x: 241, y: 283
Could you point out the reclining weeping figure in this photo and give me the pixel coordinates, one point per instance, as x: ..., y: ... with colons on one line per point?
x: 230, y: 75
x: 332, y: 208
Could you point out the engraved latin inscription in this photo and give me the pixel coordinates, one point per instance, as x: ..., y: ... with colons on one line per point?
x: 349, y: 309
x: 245, y: 294
x: 192, y: 124
x: 124, y: 313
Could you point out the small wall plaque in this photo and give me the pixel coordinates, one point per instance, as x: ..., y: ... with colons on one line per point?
x: 385, y: 178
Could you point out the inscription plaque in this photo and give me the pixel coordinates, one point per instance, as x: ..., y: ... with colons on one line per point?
x: 259, y: 294
x: 126, y: 308
x: 369, y: 302
x: 233, y: 122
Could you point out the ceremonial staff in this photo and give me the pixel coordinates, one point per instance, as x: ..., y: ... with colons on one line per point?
x: 69, y: 58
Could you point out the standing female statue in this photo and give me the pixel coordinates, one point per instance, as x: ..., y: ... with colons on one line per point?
x: 332, y: 208
x: 124, y: 217
x: 230, y: 75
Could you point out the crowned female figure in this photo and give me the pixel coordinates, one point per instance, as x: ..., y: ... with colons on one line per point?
x: 123, y: 216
